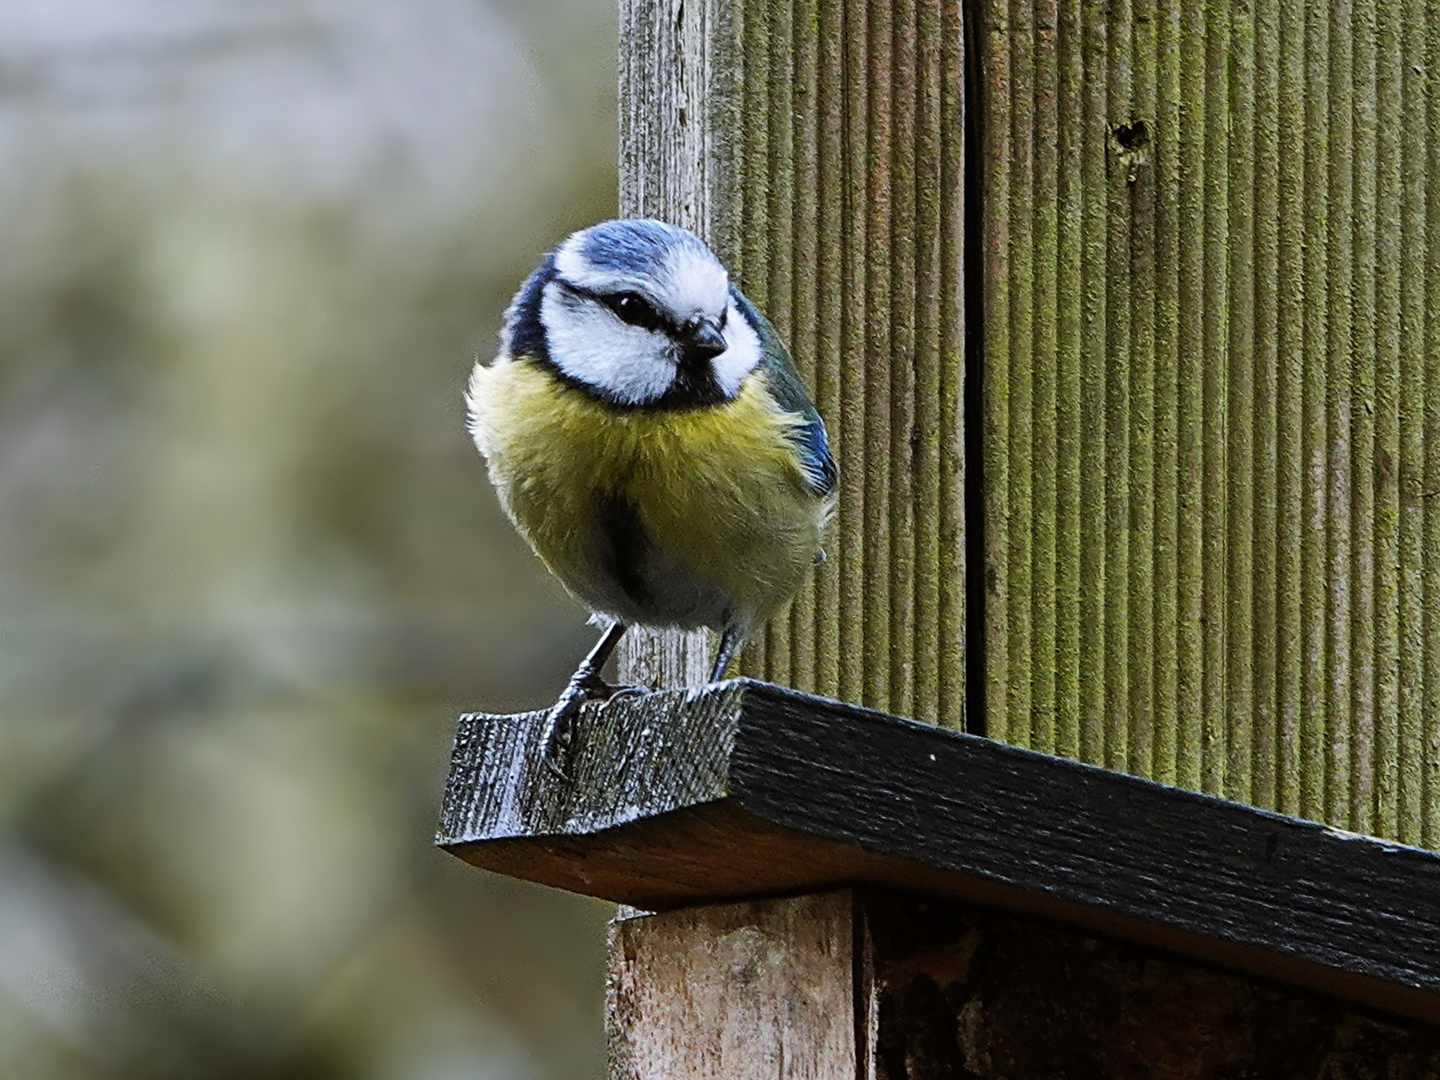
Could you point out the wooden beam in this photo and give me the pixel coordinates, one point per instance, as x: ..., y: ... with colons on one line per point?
x: 744, y: 790
x: 759, y: 990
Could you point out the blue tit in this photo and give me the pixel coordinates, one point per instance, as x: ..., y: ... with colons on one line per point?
x: 650, y: 438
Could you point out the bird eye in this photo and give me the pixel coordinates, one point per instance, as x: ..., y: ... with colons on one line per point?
x: 633, y: 310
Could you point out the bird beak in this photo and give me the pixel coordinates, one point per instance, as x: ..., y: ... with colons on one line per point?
x: 702, y: 340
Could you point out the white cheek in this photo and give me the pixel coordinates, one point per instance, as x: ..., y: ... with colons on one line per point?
x: 587, y: 343
x: 741, y: 357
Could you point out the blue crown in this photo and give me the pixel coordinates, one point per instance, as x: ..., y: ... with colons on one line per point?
x: 635, y: 245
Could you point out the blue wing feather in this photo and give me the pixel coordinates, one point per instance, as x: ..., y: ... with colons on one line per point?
x: 789, y: 391
x: 820, y: 468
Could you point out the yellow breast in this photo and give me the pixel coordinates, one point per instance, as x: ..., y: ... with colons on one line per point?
x: 718, y: 491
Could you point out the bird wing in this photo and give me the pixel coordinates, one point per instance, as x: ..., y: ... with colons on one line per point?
x: 789, y: 392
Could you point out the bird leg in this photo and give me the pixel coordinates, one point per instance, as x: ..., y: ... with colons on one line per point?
x: 730, y: 641
x: 585, y: 685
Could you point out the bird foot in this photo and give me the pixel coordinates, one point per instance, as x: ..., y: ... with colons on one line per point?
x: 597, y: 689
x: 618, y: 692
x: 559, y: 734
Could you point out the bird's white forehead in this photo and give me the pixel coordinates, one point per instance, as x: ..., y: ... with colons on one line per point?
x: 689, y: 279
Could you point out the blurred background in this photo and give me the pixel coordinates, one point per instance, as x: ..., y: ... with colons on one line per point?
x: 250, y: 568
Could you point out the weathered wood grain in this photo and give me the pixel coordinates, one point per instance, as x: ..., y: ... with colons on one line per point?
x: 745, y: 790
x: 679, y: 92
x: 1210, y: 420
x: 752, y: 991
x: 817, y: 145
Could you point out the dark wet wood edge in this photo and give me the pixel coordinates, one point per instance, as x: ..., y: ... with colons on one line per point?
x: 761, y: 791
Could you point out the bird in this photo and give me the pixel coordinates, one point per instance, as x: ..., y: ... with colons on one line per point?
x: 649, y: 436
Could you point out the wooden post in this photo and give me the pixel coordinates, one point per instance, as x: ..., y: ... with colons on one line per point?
x: 818, y: 146
x: 761, y: 989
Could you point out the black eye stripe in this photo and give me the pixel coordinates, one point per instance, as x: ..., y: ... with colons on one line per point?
x: 634, y: 309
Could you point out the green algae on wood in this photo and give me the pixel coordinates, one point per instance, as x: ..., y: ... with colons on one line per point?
x: 1212, y: 553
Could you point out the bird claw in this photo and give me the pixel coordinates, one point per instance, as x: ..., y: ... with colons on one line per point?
x: 559, y: 734
x: 597, y: 689
x: 617, y: 692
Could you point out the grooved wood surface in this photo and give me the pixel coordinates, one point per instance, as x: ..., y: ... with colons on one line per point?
x: 1212, y: 396
x: 752, y: 991
x: 745, y: 789
x: 817, y: 145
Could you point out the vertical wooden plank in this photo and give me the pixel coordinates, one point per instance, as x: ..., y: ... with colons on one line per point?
x: 1240, y: 405
x: 878, y: 197
x: 1430, y: 582
x: 904, y: 298
x: 1164, y: 656
x: 680, y: 83
x: 1410, y: 472
x: 1290, y: 292
x: 1032, y: 414
x: 1189, y: 400
x: 926, y: 431
x: 1361, y: 769
x: 754, y: 991
x: 1339, y: 420
x: 828, y: 245
x: 955, y: 578
x: 1070, y: 300
x: 1265, y: 350
x: 1122, y: 169
x: 851, y: 422
x: 818, y: 146
x: 1022, y: 191
x: 1315, y: 522
x: 1004, y: 719
x: 802, y: 624
x: 1140, y: 422
x: 1389, y: 187
x: 1095, y: 19
x: 1215, y: 488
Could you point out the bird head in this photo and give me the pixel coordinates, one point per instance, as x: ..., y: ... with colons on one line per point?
x: 637, y: 313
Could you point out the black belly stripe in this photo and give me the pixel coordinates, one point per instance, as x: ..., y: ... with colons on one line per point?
x: 627, y: 544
